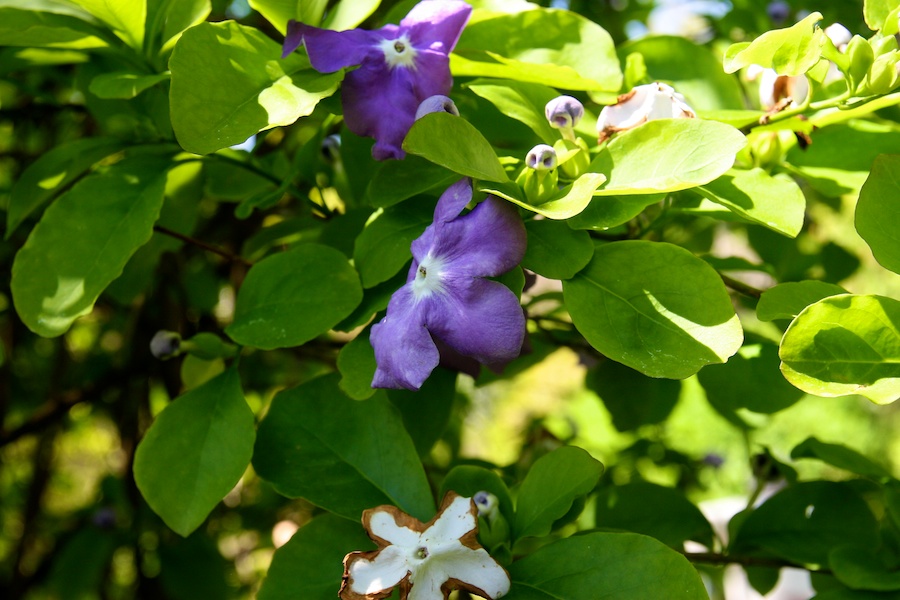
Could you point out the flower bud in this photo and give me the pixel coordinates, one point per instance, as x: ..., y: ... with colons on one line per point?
x: 883, y: 75
x: 541, y: 158
x: 861, y: 58
x: 436, y: 103
x: 564, y: 112
x: 839, y: 35
x: 643, y: 103
x: 779, y: 11
x: 165, y: 345
x: 487, y: 504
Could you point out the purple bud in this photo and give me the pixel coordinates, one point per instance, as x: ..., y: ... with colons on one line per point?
x: 779, y: 11
x: 541, y: 158
x: 485, y: 502
x: 165, y: 344
x: 436, y: 104
x: 564, y: 112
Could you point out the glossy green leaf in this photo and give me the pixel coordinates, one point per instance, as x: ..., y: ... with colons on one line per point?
x: 654, y: 307
x: 362, y: 459
x: 877, y: 211
x: 787, y: 300
x: 655, y: 510
x: 382, y: 249
x: 195, y: 452
x: 347, y: 14
x: 471, y: 63
x: 356, y: 363
x: 554, y: 482
x: 690, y: 68
x: 845, y: 345
x: 555, y: 250
x: 569, y: 202
x: 791, y: 51
x: 521, y: 101
x: 375, y: 299
x: 230, y: 82
x: 863, y: 568
x: 52, y: 172
x: 22, y: 26
x: 667, y: 155
x: 612, y: 566
x: 841, y: 457
x: 398, y: 180
x: 426, y: 412
x: 310, y: 566
x: 125, y: 85
x: 609, y: 211
x: 83, y: 242
x: 774, y: 202
x: 176, y: 17
x: 125, y: 17
x: 279, y: 12
x: 632, y: 399
x: 876, y: 11
x: 805, y: 521
x: 462, y: 148
x: 543, y: 37
x: 291, y: 297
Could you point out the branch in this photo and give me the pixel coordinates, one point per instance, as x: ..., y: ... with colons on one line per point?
x: 711, y: 558
x: 741, y: 287
x: 209, y: 248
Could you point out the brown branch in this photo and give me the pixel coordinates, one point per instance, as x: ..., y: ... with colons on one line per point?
x: 209, y: 248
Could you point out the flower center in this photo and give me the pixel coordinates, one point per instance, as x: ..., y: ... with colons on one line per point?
x: 399, y: 52
x: 421, y: 553
x: 428, y: 279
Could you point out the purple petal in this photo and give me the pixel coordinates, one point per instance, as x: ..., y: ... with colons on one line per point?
x: 379, y: 103
x: 449, y: 205
x: 479, y: 318
x: 331, y: 51
x: 404, y: 351
x: 431, y: 76
x: 437, y: 23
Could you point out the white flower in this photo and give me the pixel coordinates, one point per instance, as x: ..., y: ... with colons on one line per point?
x: 426, y: 560
x: 643, y: 103
x: 839, y: 35
x: 775, y: 88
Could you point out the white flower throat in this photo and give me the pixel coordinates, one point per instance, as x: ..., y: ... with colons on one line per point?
x: 428, y: 279
x: 399, y: 52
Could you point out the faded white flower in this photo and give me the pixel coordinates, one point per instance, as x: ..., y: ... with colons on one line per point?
x: 643, y: 103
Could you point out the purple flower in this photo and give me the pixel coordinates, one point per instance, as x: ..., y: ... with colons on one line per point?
x: 446, y: 298
x: 399, y: 67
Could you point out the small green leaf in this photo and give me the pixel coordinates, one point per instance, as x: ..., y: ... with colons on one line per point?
x: 554, y: 483
x: 619, y: 386
x: 791, y: 51
x: 658, y: 511
x: 523, y: 102
x: 667, y: 155
x: 454, y: 143
x: 612, y: 566
x: 383, y: 247
x: 195, y: 452
x: 845, y: 345
x: 569, y: 202
x: 787, y: 300
x: 230, y: 82
x: 125, y: 85
x: 841, y: 457
x: 654, y: 307
x: 356, y: 363
x: 83, y: 242
x: 609, y: 211
x: 774, y: 202
x: 556, y: 251
x: 398, y: 180
x: 309, y: 565
x: 361, y: 459
x: 291, y: 297
x: 877, y: 211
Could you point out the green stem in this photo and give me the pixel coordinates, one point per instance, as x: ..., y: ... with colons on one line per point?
x: 865, y: 108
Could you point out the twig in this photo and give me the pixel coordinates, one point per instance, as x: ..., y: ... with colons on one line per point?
x: 741, y: 287
x: 209, y: 248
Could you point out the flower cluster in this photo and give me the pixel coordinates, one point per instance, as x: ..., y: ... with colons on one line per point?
x: 399, y: 67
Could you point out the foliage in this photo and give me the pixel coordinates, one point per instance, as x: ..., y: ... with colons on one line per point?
x: 712, y: 303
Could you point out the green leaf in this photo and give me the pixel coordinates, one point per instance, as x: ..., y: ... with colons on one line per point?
x: 845, y: 345
x: 124, y: 85
x: 876, y: 11
x: 749, y: 380
x: 841, y: 457
x: 125, y: 17
x: 787, y: 300
x: 468, y: 480
x: 618, y: 386
x: 570, y: 200
x: 545, y: 37
x: 279, y: 12
x: 356, y: 363
x: 229, y: 82
x: 83, y: 242
x: 556, y: 251
x: 523, y: 102
x: 347, y: 14
x: 383, y: 247
x: 310, y: 566
x: 426, y: 412
x: 803, y: 522
x: 473, y: 63
x: 363, y: 458
x: 292, y: 297
x: 791, y: 51
x: 658, y: 511
x: 877, y: 210
x: 28, y: 27
x: 654, y: 307
x: 609, y: 211
x: 454, y: 143
x: 554, y: 483
x: 774, y: 202
x: 195, y: 452
x: 52, y: 172
x: 690, y: 68
x: 81, y: 561
x: 398, y: 180
x: 863, y: 568
x: 612, y: 566
x: 176, y: 17
x: 375, y: 299
x: 667, y: 155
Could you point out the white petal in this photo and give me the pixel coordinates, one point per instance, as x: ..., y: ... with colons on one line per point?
x: 427, y: 580
x: 476, y: 568
x: 383, y: 525
x: 384, y: 572
x: 455, y: 521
